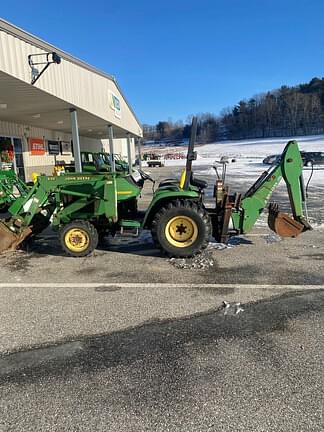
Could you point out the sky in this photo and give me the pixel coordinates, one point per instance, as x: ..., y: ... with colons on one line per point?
x: 176, y: 58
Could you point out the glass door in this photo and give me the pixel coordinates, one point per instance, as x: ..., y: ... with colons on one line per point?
x: 19, y: 159
x: 6, y: 153
x: 11, y: 155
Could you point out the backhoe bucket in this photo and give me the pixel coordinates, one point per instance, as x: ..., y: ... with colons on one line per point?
x: 283, y: 224
x: 9, y: 240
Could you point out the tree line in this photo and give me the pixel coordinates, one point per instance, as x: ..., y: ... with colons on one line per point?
x: 287, y: 111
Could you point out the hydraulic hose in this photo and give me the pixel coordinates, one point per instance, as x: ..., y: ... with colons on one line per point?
x: 308, y: 182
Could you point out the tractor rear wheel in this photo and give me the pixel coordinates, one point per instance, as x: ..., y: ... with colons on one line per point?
x: 79, y: 238
x: 182, y: 228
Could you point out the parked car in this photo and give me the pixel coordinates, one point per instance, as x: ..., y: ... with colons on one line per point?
x: 309, y: 158
x: 312, y: 158
x: 272, y: 159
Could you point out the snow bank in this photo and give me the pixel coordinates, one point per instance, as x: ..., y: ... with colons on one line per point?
x: 249, y: 155
x: 260, y: 148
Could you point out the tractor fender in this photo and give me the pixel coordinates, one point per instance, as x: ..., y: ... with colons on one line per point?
x: 161, y: 199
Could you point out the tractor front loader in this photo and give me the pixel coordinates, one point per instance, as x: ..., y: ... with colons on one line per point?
x: 84, y: 207
x: 10, y: 186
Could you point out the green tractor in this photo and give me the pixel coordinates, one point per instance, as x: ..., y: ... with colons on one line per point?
x: 93, y: 162
x: 83, y: 207
x: 10, y: 186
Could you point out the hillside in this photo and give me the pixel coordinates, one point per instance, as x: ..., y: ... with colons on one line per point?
x: 283, y: 112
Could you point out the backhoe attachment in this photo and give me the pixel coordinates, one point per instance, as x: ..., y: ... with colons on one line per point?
x: 290, y: 168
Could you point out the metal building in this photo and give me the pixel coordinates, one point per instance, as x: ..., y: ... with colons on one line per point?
x: 68, y: 104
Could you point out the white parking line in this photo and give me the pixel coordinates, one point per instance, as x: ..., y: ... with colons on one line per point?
x: 155, y: 285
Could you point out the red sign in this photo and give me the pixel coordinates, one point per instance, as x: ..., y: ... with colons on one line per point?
x: 37, y: 146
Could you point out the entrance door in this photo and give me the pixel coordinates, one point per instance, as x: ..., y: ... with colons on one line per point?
x: 19, y: 159
x: 6, y: 153
x: 11, y: 155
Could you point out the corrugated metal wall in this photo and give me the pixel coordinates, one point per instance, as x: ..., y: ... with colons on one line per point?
x: 68, y: 81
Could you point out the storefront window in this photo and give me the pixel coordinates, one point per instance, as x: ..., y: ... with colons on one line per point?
x: 6, y: 153
x: 11, y: 155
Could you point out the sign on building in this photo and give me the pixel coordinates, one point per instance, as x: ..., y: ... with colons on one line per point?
x: 37, y: 146
x: 53, y: 147
x: 66, y: 147
x: 115, y: 104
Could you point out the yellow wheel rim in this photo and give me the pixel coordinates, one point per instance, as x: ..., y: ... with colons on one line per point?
x: 181, y: 231
x: 77, y: 240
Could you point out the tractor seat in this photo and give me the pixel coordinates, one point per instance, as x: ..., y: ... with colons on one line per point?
x: 168, y: 182
x: 201, y: 184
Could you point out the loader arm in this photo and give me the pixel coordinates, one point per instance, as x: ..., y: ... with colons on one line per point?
x: 10, y: 186
x: 289, y: 168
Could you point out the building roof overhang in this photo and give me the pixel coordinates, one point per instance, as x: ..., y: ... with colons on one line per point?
x: 38, y: 42
x: 25, y: 104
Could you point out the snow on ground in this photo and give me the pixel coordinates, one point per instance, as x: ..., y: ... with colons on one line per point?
x: 261, y: 147
x: 248, y: 155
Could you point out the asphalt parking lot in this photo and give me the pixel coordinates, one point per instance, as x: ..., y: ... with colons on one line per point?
x: 129, y: 340
x: 189, y: 367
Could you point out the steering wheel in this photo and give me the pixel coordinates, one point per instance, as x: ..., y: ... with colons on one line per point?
x: 145, y: 176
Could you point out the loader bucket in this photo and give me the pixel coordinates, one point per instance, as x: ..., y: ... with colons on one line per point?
x: 9, y: 240
x: 282, y: 224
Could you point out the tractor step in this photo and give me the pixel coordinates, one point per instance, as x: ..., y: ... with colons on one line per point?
x: 129, y: 228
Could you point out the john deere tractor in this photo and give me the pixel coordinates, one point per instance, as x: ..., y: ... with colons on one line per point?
x: 82, y: 207
x: 93, y: 162
x: 11, y: 186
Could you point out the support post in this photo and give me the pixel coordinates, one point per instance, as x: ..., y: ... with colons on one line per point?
x: 111, y: 148
x: 129, y: 154
x: 76, y: 140
x: 139, y: 152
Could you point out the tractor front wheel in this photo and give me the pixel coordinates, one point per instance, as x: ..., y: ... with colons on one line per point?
x: 79, y: 238
x: 182, y: 228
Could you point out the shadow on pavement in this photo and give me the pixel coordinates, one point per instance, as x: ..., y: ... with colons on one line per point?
x: 164, y: 344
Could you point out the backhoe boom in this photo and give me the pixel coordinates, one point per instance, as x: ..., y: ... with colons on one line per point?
x: 289, y: 168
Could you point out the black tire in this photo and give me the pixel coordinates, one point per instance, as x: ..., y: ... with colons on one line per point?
x: 4, y: 208
x: 85, y: 238
x: 196, y: 221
